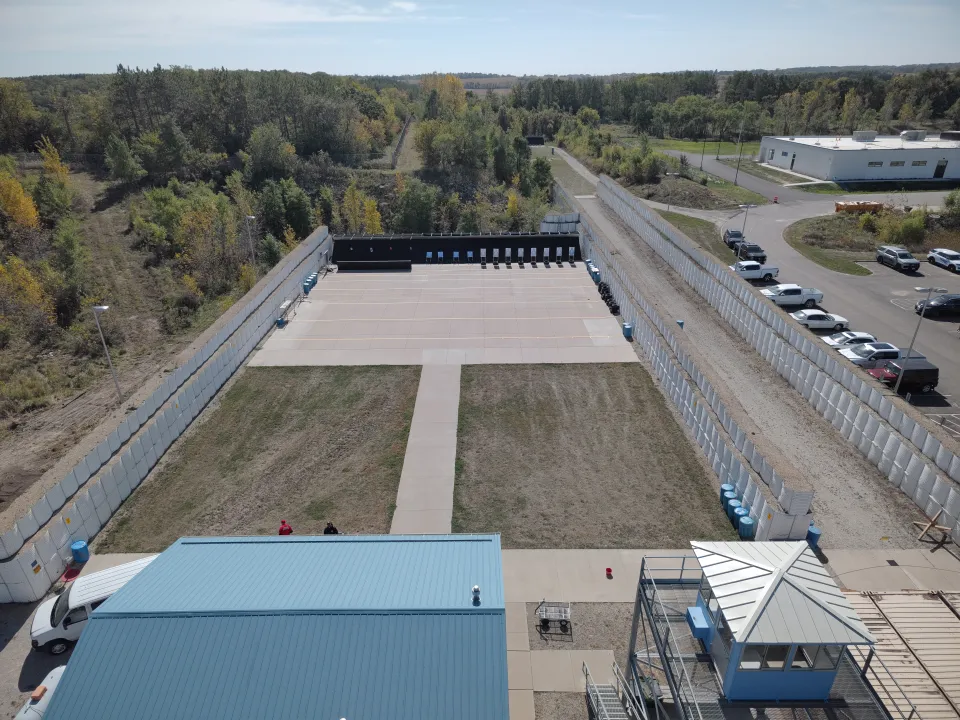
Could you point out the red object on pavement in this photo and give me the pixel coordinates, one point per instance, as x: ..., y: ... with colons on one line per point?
x: 609, y: 572
x: 285, y: 529
x: 775, y: 199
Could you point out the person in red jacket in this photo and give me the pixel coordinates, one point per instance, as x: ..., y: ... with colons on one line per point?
x: 285, y: 529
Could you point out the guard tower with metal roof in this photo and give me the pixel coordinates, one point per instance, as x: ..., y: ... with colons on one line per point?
x: 773, y: 620
x: 739, y: 630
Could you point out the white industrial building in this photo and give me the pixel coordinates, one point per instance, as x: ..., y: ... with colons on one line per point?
x: 867, y: 157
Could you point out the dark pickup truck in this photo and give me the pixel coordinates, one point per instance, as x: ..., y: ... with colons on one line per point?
x: 919, y: 375
x: 750, y: 251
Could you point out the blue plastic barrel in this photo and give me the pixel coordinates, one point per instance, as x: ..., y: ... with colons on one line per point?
x: 732, y: 506
x: 727, y: 497
x: 628, y: 331
x: 738, y: 513
x: 813, y: 537
x: 725, y: 488
x: 306, y: 287
x: 81, y: 553
x: 746, y: 528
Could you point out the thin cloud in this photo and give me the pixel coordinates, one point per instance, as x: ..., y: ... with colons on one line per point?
x: 404, y: 6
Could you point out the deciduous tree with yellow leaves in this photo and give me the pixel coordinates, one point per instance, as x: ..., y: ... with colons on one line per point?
x: 372, y: 224
x: 16, y: 204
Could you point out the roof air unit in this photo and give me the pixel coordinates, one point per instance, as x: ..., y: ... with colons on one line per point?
x: 864, y: 136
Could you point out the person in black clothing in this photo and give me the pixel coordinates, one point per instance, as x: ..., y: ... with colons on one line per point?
x: 330, y: 529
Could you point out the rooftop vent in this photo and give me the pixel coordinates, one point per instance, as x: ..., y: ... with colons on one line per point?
x: 913, y: 135
x: 864, y: 136
x: 476, y: 594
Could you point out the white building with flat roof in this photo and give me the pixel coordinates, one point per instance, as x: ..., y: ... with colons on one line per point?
x: 866, y: 157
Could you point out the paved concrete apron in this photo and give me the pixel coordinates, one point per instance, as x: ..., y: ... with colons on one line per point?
x: 425, y: 495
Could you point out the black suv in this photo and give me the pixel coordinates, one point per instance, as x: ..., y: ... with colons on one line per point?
x: 940, y: 306
x: 751, y: 251
x: 897, y: 257
x: 732, y: 237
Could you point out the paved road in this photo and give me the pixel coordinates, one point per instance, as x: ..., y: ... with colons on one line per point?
x: 881, y: 303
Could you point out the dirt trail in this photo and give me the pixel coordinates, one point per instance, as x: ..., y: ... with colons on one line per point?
x: 855, y: 506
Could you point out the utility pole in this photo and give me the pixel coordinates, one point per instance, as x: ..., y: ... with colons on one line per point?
x: 906, y: 361
x: 739, y: 151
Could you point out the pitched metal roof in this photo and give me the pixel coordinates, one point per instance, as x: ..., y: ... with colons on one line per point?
x: 333, y: 572
x: 778, y: 592
x: 298, y: 627
x: 295, y: 667
x: 98, y: 585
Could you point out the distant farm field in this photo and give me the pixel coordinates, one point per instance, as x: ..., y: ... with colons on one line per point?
x: 305, y: 445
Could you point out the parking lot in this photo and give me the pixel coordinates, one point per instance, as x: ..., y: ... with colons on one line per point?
x: 455, y: 314
x: 881, y: 303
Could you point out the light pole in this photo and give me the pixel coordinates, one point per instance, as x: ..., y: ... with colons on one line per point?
x: 253, y: 253
x: 97, y: 311
x: 929, y: 291
x: 746, y: 212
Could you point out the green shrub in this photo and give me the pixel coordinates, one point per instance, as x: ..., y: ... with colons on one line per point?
x: 868, y: 222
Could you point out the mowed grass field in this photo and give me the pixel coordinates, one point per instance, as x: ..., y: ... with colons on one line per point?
x: 306, y: 445
x: 578, y: 456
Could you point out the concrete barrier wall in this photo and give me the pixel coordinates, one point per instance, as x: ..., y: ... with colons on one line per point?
x: 901, y: 449
x: 721, y: 440
x: 83, y: 502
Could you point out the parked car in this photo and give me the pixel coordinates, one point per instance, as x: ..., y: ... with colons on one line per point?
x: 731, y: 237
x: 58, y: 622
x: 919, y: 376
x: 940, y: 306
x: 871, y: 355
x: 897, y: 257
x: 849, y: 337
x: 751, y: 251
x: 36, y: 706
x: 949, y: 259
x: 789, y: 294
x: 817, y: 320
x: 752, y: 270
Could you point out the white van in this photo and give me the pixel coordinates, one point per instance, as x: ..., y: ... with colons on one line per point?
x: 59, y: 621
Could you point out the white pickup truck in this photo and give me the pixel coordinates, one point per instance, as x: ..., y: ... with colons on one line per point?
x: 789, y: 294
x: 752, y: 270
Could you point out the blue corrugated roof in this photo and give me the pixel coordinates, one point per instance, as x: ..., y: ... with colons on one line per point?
x: 339, y: 572
x: 363, y: 628
x: 309, y: 667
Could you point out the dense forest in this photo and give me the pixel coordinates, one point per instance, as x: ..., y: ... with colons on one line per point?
x: 215, y: 175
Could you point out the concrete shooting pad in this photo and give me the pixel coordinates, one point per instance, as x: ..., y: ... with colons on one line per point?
x: 451, y: 315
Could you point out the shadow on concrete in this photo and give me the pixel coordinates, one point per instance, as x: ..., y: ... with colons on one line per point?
x: 37, y: 666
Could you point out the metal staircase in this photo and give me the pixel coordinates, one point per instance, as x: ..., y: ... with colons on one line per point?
x: 612, y: 701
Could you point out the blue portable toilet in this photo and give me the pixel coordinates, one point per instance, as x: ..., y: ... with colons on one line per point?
x: 779, y: 626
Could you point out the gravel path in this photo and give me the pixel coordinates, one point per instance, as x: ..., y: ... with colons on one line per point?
x: 596, y: 626
x: 855, y: 505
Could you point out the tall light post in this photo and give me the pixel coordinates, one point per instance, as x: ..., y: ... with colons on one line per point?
x: 97, y: 311
x: 746, y: 212
x: 248, y: 223
x: 929, y: 291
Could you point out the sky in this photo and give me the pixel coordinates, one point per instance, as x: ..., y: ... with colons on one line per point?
x: 511, y: 37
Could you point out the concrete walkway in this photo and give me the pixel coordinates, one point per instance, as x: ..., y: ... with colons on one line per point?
x: 425, y: 495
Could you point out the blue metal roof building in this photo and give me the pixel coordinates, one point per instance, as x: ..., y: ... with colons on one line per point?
x: 355, y: 627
